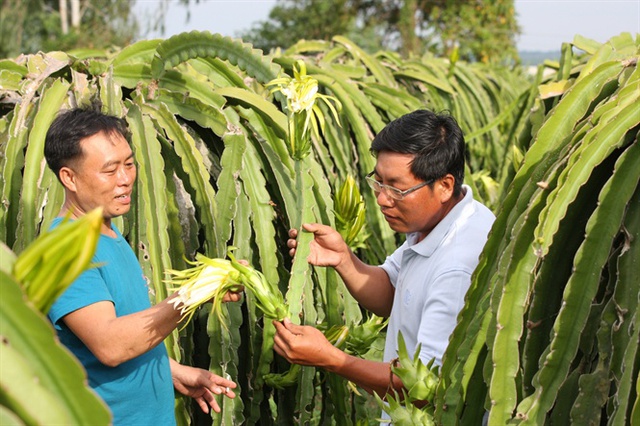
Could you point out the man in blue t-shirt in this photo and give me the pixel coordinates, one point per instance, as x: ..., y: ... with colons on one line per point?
x: 105, y: 317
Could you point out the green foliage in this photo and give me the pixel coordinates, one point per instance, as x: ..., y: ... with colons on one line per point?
x: 30, y: 26
x: 214, y: 171
x: 41, y: 382
x: 480, y: 31
x: 35, y: 25
x: 298, y: 20
x: 543, y: 319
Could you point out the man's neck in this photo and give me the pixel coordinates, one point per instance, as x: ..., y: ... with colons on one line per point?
x: 72, y: 211
x: 107, y: 230
x: 446, y: 209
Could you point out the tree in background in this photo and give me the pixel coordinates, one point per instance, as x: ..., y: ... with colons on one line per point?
x: 29, y: 26
x: 290, y: 21
x: 481, y: 30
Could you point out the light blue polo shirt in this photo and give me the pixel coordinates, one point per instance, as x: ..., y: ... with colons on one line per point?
x: 431, y: 278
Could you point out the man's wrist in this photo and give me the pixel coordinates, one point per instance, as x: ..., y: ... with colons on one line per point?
x: 336, y: 360
x: 346, y: 262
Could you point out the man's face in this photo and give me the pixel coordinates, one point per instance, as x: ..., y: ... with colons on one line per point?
x: 103, y: 176
x: 419, y: 211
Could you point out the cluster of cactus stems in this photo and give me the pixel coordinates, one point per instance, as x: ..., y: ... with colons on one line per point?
x: 33, y: 363
x: 549, y: 332
x: 47, y: 267
x: 551, y: 312
x: 419, y: 382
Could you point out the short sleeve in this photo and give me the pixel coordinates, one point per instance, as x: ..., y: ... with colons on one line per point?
x: 392, y: 263
x: 87, y: 289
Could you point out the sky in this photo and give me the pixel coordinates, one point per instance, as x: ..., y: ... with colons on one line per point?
x: 545, y: 24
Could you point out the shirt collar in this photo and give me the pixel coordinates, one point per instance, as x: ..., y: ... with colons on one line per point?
x: 430, y: 243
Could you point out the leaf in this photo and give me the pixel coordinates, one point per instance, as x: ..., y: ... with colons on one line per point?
x: 198, y: 44
x: 42, y: 365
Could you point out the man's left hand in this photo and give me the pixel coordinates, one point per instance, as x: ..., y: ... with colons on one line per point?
x: 302, y: 344
x: 233, y: 296
x: 201, y: 385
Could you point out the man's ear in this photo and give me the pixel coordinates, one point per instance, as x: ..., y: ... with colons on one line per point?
x: 68, y: 178
x: 445, y: 186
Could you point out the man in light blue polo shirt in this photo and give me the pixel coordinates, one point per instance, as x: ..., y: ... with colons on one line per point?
x: 421, y: 286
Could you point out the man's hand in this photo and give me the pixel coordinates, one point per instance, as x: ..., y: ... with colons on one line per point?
x: 327, y: 248
x: 304, y: 345
x: 233, y: 296
x: 368, y: 284
x: 201, y: 385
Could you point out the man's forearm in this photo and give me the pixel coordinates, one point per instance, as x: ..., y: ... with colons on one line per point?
x: 372, y: 376
x: 369, y: 285
x: 114, y: 340
x: 150, y: 327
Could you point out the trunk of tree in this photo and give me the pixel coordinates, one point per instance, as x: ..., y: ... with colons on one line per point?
x: 64, y: 16
x: 75, y: 14
x: 407, y: 27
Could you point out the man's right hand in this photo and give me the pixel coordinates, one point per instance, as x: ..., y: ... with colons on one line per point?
x: 369, y: 285
x: 327, y: 247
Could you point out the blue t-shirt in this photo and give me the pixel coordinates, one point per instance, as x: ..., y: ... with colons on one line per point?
x: 139, y: 391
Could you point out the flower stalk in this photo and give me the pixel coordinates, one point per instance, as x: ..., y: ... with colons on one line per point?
x: 350, y: 213
x: 303, y: 112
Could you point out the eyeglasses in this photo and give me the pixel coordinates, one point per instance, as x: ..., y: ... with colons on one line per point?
x: 390, y: 191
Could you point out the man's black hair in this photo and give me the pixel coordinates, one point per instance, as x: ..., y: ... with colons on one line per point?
x: 62, y: 143
x: 435, y: 139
